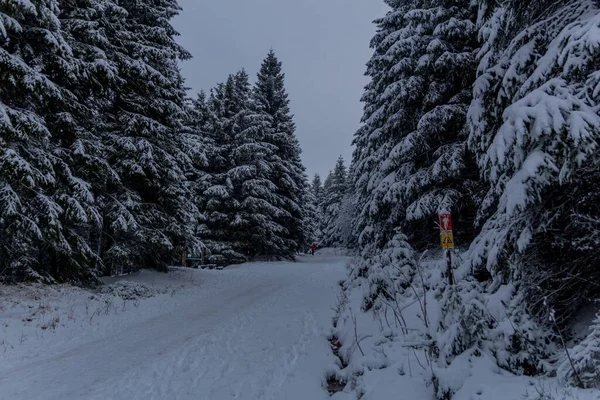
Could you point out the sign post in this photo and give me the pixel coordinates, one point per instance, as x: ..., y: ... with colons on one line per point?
x: 447, y: 238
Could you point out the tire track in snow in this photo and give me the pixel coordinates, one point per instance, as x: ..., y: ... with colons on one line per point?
x: 299, y: 349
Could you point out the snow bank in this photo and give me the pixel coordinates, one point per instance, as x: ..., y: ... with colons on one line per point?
x: 332, y: 251
x: 419, y: 337
x: 42, y: 319
x: 129, y: 290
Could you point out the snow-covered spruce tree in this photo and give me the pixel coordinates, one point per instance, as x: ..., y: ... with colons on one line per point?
x: 322, y: 222
x: 219, y: 204
x: 92, y: 28
x: 334, y: 193
x: 389, y: 271
x: 462, y: 330
x: 316, y: 188
x: 311, y: 219
x: 148, y: 224
x: 256, y: 217
x: 583, y: 369
x: 411, y: 158
x: 535, y: 128
x: 242, y: 204
x: 287, y: 171
x: 46, y: 211
x: 314, y: 216
x: 92, y: 79
x: 345, y: 218
x: 214, y: 201
x: 196, y: 145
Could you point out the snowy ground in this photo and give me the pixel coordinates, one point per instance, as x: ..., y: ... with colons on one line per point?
x: 379, y: 360
x: 258, y: 331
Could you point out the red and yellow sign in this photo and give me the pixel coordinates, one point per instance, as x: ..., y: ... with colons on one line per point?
x: 446, y: 231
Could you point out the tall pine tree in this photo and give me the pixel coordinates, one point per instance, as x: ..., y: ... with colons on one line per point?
x: 46, y: 210
x: 314, y: 216
x: 257, y: 212
x: 147, y: 222
x: 535, y: 128
x: 218, y: 203
x: 242, y: 204
x: 331, y: 206
x: 93, y: 80
x: 287, y: 171
x: 411, y: 159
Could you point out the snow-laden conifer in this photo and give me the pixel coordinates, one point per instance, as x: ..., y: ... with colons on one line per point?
x: 144, y: 123
x: 411, y: 158
x: 287, y: 172
x: 535, y: 126
x: 583, y: 367
x: 46, y: 209
x: 333, y: 200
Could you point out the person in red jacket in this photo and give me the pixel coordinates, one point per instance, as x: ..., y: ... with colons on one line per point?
x: 313, y: 248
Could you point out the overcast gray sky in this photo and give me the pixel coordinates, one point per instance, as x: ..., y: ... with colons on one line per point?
x: 323, y: 44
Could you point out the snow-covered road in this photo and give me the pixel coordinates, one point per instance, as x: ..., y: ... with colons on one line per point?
x: 253, y: 332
